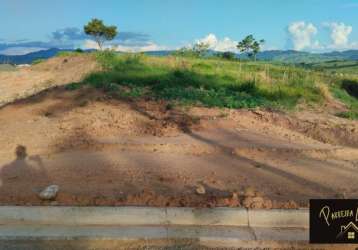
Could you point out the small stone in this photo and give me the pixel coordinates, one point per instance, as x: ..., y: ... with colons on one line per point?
x: 258, y: 199
x: 49, y: 193
x: 254, y: 202
x: 258, y: 202
x: 268, y: 204
x: 200, y: 189
x: 233, y: 201
x: 247, y: 202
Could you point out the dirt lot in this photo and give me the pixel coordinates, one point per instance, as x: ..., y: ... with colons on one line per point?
x: 102, y: 151
x: 26, y: 81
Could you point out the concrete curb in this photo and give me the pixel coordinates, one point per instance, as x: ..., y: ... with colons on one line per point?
x: 46, y: 232
x: 279, y: 218
x: 207, y: 216
x: 38, y: 237
x: 137, y: 216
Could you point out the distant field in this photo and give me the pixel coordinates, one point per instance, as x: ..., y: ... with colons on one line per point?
x: 345, y: 67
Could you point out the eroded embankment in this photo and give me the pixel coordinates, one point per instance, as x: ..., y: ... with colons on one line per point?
x: 104, y: 151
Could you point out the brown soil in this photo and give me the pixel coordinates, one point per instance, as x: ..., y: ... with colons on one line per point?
x: 54, y: 72
x: 104, y: 151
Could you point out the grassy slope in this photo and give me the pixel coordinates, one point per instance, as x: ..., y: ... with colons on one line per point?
x: 345, y: 67
x: 347, y: 92
x: 214, y: 82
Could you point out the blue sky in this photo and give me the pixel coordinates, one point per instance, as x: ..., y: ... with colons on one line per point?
x: 311, y: 25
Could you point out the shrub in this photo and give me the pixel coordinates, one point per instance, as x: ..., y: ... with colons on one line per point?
x: 228, y: 55
x: 79, y: 50
x: 73, y: 86
x: 107, y: 59
x: 68, y: 53
x: 351, y: 87
x: 352, y: 115
x: 185, y: 52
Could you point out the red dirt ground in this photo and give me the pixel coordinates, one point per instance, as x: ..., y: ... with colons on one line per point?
x: 103, y: 151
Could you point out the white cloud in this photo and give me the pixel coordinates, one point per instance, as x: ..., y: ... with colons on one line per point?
x: 339, y: 35
x: 210, y: 39
x: 149, y: 46
x: 302, y: 34
x: 216, y: 44
x: 90, y: 44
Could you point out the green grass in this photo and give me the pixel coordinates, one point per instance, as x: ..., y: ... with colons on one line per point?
x: 352, y: 115
x: 207, y: 82
x: 210, y: 82
x: 37, y: 61
x: 73, y: 86
x: 336, y: 66
x: 69, y: 53
x: 347, y: 97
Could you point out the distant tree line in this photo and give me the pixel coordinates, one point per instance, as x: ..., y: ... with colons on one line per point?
x: 249, y: 45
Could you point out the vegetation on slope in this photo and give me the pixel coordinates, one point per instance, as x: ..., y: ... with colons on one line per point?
x: 213, y: 82
x: 209, y: 82
x: 335, y: 66
x: 347, y: 92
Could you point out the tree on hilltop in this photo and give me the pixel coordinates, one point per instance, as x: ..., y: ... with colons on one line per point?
x: 251, y: 46
x: 100, y: 32
x: 201, y: 48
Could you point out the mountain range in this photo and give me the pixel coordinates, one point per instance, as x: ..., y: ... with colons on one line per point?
x: 292, y: 56
x: 30, y: 57
x: 285, y: 56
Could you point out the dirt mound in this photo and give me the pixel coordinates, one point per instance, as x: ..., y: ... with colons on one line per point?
x: 106, y: 151
x: 321, y: 127
x: 56, y: 71
x: 68, y: 69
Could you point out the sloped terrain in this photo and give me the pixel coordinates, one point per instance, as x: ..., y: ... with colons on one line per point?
x: 103, y: 151
x: 56, y: 71
x: 107, y: 150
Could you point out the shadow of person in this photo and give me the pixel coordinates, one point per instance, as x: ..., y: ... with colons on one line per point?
x: 20, y: 152
x: 23, y: 178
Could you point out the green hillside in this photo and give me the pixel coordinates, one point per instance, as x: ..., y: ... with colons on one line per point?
x: 296, y: 57
x: 335, y: 66
x: 214, y: 82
